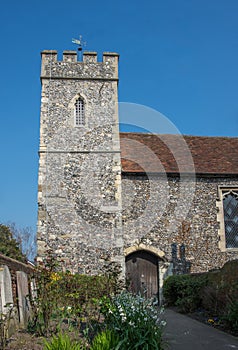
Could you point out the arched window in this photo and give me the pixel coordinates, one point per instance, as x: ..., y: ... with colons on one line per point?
x: 230, y: 208
x: 79, y: 112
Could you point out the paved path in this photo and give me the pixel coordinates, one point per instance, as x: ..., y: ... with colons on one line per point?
x: 185, y: 333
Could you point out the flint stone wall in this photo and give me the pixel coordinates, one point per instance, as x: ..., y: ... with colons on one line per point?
x: 198, y: 230
x: 79, y: 194
x: 81, y: 215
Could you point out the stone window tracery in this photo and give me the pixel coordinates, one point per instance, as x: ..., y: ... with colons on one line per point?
x: 228, y: 218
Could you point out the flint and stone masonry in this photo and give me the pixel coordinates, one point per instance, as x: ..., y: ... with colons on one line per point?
x: 198, y: 232
x: 79, y: 193
x: 90, y: 209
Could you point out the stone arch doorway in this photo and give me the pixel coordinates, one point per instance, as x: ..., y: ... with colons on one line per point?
x: 142, y: 273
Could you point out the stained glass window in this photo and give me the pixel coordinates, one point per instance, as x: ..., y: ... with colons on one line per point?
x: 230, y: 207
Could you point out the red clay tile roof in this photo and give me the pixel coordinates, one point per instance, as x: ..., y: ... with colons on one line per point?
x: 176, y: 154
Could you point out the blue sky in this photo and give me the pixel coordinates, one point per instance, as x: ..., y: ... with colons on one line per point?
x: 179, y: 57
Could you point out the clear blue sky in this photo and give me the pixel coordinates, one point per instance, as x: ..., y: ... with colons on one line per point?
x: 179, y: 57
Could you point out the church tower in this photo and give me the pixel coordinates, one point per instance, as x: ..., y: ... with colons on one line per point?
x: 79, y: 185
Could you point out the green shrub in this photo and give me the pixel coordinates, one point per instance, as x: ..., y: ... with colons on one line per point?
x: 63, y: 297
x: 184, y: 291
x: 136, y: 320
x: 171, y: 290
x: 231, y: 318
x: 62, y: 342
x: 9, y: 246
x: 106, y: 340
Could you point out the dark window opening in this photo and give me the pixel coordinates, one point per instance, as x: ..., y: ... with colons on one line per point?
x: 79, y: 112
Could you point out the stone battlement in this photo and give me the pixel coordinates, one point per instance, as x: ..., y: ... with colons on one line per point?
x: 71, y: 68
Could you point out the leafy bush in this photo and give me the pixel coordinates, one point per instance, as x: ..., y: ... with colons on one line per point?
x: 231, y: 318
x: 216, y: 297
x: 62, y: 297
x: 184, y: 291
x: 9, y: 246
x: 62, y: 342
x: 171, y: 290
x: 136, y: 320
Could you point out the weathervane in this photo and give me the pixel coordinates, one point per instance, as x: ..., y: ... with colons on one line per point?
x: 79, y: 42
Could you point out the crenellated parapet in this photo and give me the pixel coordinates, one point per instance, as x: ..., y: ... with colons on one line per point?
x: 71, y: 68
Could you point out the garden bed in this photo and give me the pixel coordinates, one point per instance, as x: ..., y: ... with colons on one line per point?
x: 205, y: 317
x: 79, y: 312
x: 22, y: 340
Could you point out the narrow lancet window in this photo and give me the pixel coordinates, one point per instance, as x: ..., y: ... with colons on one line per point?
x: 79, y: 112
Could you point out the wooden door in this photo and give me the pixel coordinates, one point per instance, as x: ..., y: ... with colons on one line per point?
x: 142, y: 273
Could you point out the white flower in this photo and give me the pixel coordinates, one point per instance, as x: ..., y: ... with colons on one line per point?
x: 123, y: 318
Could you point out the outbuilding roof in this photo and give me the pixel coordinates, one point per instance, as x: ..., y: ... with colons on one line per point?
x: 178, y: 154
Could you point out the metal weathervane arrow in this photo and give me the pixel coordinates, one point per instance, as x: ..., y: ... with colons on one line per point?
x: 79, y: 42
